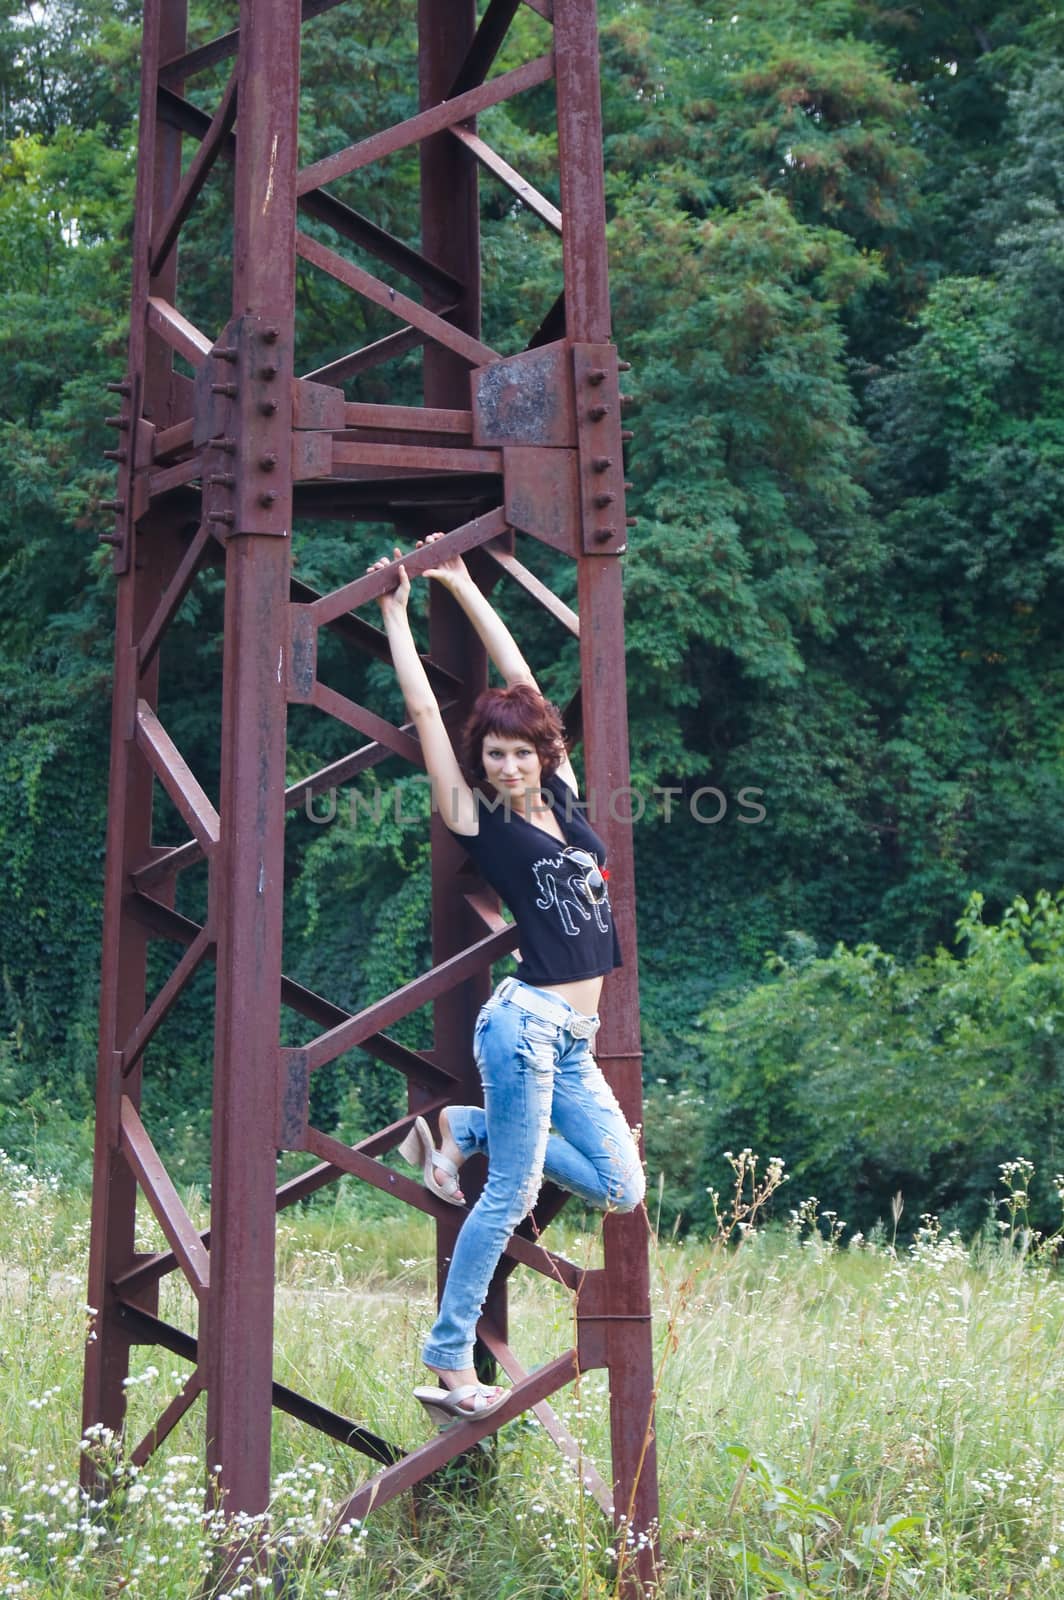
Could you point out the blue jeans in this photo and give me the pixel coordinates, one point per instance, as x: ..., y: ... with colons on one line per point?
x: 536, y: 1076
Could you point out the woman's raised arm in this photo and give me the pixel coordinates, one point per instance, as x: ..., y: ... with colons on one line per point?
x: 495, y: 636
x: 454, y: 798
x: 498, y: 641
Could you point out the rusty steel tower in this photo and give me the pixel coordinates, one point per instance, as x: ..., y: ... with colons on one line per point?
x: 217, y: 469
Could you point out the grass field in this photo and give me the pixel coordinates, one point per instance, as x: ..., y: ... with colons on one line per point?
x: 832, y: 1421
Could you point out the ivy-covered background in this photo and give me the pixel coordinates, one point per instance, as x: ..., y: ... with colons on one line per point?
x: 837, y: 240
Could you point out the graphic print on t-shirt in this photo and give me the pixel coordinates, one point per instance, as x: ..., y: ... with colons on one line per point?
x: 559, y: 881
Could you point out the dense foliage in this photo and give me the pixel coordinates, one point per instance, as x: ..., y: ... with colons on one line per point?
x: 837, y: 243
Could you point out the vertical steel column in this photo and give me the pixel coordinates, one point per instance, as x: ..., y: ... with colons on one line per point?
x: 142, y: 577
x: 249, y: 874
x: 605, y: 721
x: 450, y: 237
x: 450, y: 217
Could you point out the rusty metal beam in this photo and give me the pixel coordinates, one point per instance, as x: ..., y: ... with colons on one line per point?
x: 418, y: 419
x: 148, y: 1270
x: 372, y: 355
x: 536, y: 588
x: 170, y: 602
x: 426, y: 458
x: 434, y: 119
x: 398, y: 305
x: 455, y: 543
x: 176, y: 330
x: 362, y: 720
x: 525, y: 192
x: 487, y: 42
x: 189, y: 62
x: 163, y: 1198
x: 189, y: 963
x: 586, y: 1471
x: 546, y: 1380
x: 196, y: 176
x: 143, y: 1328
x: 141, y: 583
x: 176, y: 777
x: 318, y: 203
x: 248, y: 875
x: 418, y: 992
x: 167, y: 1421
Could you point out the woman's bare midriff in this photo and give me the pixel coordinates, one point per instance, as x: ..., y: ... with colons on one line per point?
x: 583, y: 995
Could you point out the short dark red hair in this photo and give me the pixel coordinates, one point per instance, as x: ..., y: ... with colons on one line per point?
x: 519, y: 712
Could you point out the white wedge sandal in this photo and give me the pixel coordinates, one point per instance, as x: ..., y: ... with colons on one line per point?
x: 417, y: 1148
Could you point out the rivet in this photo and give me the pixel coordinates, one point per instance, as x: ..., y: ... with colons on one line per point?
x: 220, y: 516
x: 268, y: 372
x: 626, y: 434
x: 115, y: 455
x: 109, y: 538
x: 627, y: 400
x: 226, y: 479
x: 225, y: 352
x: 113, y: 505
x: 125, y: 387
x: 596, y: 377
x: 270, y: 335
x: 597, y: 413
x: 227, y: 444
x: 116, y: 422
x: 602, y: 463
x: 631, y: 521
x: 268, y: 461
x: 268, y: 407
x: 224, y: 388
x: 624, y: 366
x: 604, y: 535
x: 267, y: 497
x: 605, y: 499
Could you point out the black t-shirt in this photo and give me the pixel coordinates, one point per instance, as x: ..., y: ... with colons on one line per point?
x: 565, y: 932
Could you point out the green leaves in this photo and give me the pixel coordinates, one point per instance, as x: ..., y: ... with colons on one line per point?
x: 869, y: 1074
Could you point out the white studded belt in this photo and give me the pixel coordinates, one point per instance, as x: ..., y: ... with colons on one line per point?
x: 541, y: 1005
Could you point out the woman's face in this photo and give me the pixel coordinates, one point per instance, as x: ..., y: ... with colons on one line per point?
x: 510, y: 765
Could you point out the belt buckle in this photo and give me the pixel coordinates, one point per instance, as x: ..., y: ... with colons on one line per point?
x: 582, y: 1027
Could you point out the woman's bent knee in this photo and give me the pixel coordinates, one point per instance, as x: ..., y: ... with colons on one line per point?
x: 629, y: 1192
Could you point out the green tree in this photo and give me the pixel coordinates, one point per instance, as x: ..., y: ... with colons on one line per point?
x: 868, y: 1074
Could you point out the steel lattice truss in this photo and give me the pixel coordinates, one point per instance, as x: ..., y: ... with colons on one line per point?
x: 528, y: 443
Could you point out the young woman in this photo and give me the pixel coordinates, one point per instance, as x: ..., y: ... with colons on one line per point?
x: 517, y: 814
